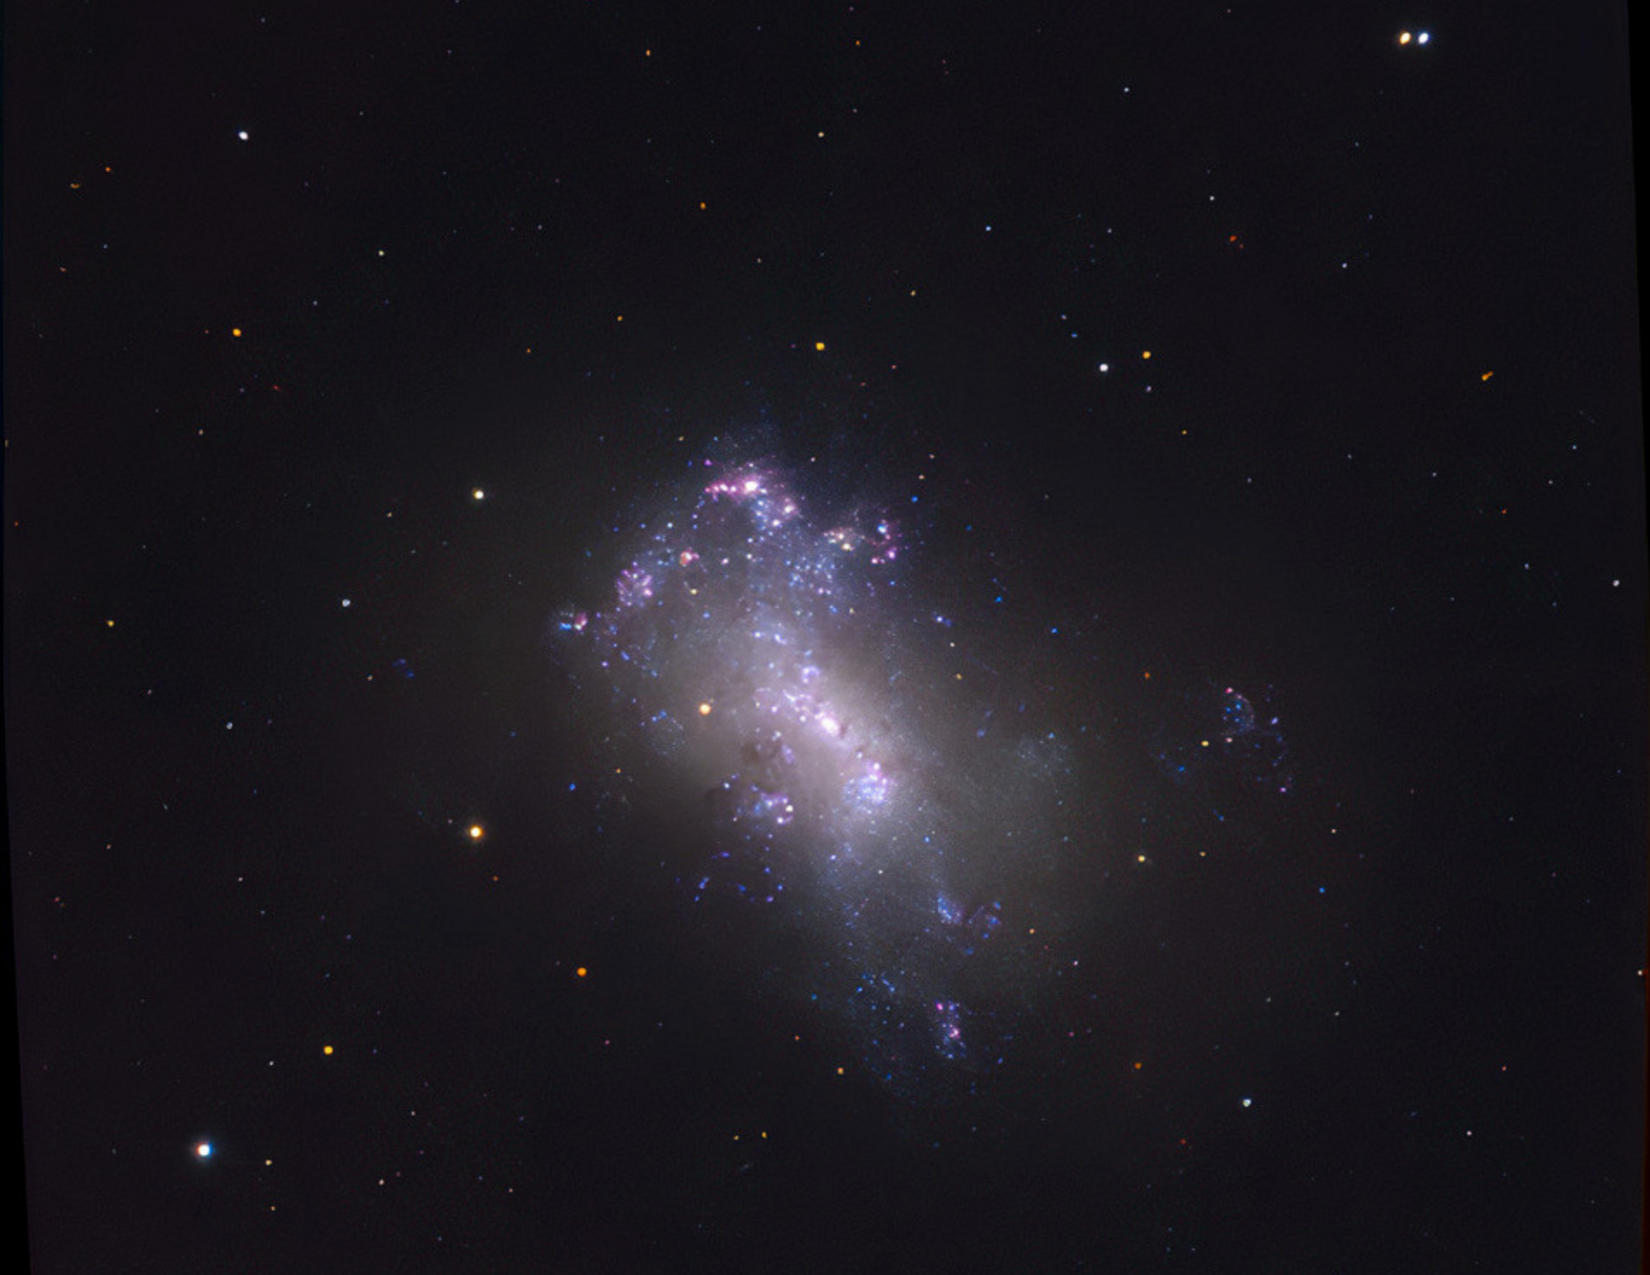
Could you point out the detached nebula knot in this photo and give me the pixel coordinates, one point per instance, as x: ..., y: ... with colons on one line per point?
x: 842, y: 748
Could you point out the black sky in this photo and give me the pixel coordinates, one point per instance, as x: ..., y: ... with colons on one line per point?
x: 1383, y: 467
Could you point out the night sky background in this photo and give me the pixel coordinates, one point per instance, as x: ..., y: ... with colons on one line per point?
x: 1198, y: 346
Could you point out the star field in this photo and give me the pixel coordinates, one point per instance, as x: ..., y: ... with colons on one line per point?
x: 836, y: 639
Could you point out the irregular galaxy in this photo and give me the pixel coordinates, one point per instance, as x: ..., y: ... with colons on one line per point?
x: 839, y: 755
